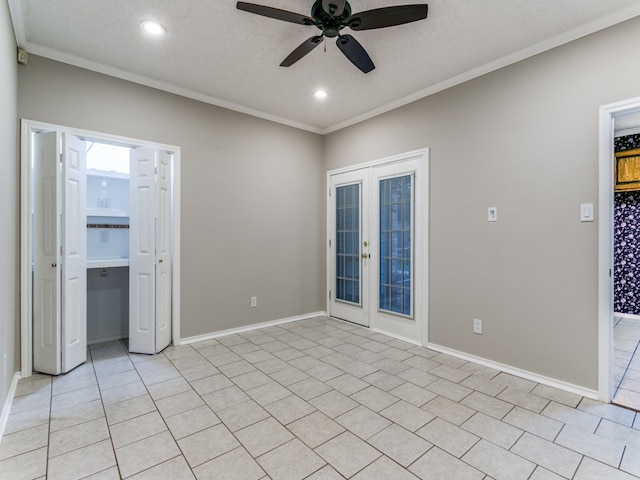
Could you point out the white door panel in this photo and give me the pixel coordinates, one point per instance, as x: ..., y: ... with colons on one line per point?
x: 46, y: 241
x: 142, y: 250
x: 74, y: 261
x: 163, y: 253
x: 350, y: 264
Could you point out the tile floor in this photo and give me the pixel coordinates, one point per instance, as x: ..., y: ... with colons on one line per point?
x: 626, y: 333
x: 318, y: 400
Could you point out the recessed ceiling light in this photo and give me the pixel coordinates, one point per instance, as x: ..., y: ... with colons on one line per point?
x: 321, y: 94
x: 153, y: 28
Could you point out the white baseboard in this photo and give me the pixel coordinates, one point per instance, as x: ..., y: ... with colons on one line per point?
x: 628, y: 316
x: 534, y: 377
x: 398, y: 337
x: 7, y: 404
x: 248, y: 328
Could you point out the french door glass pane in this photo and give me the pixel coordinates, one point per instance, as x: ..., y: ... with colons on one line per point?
x: 396, y: 199
x: 348, y: 243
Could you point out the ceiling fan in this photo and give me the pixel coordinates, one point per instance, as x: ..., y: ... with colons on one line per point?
x: 331, y: 16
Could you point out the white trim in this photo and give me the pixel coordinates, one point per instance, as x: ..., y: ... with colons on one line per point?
x: 534, y: 377
x: 393, y: 335
x: 626, y: 131
x: 26, y: 326
x: 248, y: 328
x: 605, y: 242
x: 15, y: 8
x: 6, y: 409
x: 628, y: 316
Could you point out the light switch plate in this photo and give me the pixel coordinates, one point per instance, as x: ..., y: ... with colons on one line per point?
x: 586, y: 212
x: 492, y: 214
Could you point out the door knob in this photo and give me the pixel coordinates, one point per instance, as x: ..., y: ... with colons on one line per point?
x: 160, y: 261
x: 366, y: 255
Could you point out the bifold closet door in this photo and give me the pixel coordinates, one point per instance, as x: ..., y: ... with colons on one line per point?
x: 149, y: 251
x: 59, y: 265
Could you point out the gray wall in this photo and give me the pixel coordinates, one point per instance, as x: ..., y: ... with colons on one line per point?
x: 252, y: 192
x: 524, y: 139
x: 9, y: 187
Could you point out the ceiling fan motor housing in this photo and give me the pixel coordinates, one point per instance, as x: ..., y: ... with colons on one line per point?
x: 329, y: 24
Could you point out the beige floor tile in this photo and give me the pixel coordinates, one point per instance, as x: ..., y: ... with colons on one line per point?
x: 531, y: 422
x: 601, y: 449
x: 315, y: 429
x: 450, y: 390
x: 289, y: 409
x: 174, y: 469
x: 383, y: 469
x: 363, y: 422
x: 110, y: 473
x: 263, y: 436
x: 78, y: 436
x: 347, y: 384
x: 571, y: 416
x: 500, y: 433
x: 418, y: 377
x: 123, y: 392
x: 291, y: 461
x: 498, y: 462
x: 399, y: 444
x: 347, y: 453
x: 27, y: 419
x: 146, y: 453
x: 374, y: 398
x: 191, y: 421
x: 110, y: 381
x: 82, y: 462
x: 333, y: 403
x: 179, y: 403
x: 134, y: 407
x: 437, y: 464
x: 268, y: 393
x: 242, y: 415
x: 24, y: 441
x: 553, y: 457
x: 524, y: 399
x: 448, y: 437
x: 70, y: 416
x: 491, y: 406
x: 168, y: 388
x: 27, y: 466
x: 225, y: 398
x: 234, y: 465
x: 137, y: 428
x: 309, y: 388
x: 75, y: 398
x: 211, y: 384
x: 448, y: 410
x: 325, y: 473
x: 406, y: 415
x: 207, y: 444
x: 591, y: 470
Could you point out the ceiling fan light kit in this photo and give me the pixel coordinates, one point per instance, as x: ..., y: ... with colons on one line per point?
x: 331, y: 17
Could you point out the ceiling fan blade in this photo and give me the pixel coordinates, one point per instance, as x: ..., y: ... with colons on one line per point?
x: 304, y: 48
x: 276, y: 13
x: 333, y: 7
x: 388, y: 16
x: 355, y: 53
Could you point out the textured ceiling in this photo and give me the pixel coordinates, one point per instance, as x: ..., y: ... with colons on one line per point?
x: 218, y: 54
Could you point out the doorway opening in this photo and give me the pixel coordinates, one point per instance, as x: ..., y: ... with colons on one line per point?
x: 377, y: 248
x: 100, y: 249
x: 616, y: 310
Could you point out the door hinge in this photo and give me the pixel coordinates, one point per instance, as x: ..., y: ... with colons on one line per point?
x: 329, y: 192
x: 329, y: 294
x: 609, y: 272
x: 329, y: 243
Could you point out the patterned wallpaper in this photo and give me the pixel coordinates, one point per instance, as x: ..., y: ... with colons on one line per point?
x: 626, y: 242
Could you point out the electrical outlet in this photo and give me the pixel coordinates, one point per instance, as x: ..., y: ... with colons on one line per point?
x: 477, y: 326
x: 254, y: 302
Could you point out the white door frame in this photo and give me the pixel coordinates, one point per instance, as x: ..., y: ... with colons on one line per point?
x: 605, y: 243
x: 421, y: 301
x: 26, y: 230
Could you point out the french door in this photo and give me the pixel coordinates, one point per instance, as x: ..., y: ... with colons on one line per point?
x: 377, y: 246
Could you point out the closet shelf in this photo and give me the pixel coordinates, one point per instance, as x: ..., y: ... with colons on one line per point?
x: 105, y: 225
x: 108, y: 263
x: 95, y: 212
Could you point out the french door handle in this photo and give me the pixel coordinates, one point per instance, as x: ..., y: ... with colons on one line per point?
x: 366, y: 255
